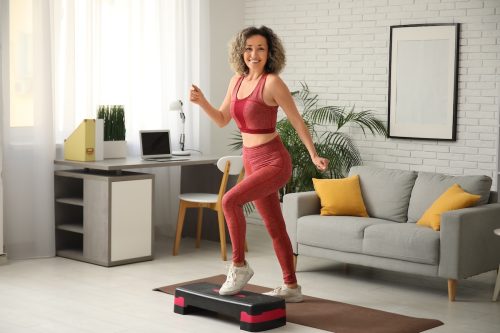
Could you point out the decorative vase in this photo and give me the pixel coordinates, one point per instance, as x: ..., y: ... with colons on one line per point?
x: 115, y: 149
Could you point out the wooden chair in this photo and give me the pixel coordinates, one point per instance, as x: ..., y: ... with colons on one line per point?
x: 229, y: 165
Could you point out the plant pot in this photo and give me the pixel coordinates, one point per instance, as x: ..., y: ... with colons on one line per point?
x: 115, y: 149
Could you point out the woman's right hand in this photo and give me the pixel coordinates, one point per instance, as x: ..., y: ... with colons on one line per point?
x: 196, y: 96
x: 320, y: 163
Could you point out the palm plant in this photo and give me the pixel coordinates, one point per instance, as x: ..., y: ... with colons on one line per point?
x: 325, y: 124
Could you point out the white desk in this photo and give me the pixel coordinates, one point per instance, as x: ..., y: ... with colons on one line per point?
x: 115, y: 164
x: 102, y: 186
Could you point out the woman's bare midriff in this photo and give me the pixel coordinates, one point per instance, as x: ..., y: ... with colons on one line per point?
x: 252, y: 140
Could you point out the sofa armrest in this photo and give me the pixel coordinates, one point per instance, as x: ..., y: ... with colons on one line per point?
x: 296, y: 205
x: 468, y: 245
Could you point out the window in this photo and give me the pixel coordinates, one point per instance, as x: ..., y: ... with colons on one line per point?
x: 21, y: 63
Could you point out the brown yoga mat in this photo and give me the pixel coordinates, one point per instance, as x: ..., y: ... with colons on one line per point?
x: 334, y: 316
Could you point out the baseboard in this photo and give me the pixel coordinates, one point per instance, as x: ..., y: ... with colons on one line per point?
x: 254, y: 221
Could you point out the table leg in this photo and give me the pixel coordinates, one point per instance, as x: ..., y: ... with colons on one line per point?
x: 497, y: 286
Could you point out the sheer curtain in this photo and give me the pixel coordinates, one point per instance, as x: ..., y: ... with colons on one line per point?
x: 28, y: 144
x: 128, y: 52
x: 76, y: 55
x: 2, y: 79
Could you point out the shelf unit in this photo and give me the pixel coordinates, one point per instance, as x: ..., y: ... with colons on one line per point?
x: 103, y: 217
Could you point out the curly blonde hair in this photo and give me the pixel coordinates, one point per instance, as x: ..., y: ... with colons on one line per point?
x: 276, y: 56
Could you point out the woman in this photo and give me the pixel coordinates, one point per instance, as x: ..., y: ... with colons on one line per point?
x: 253, y: 96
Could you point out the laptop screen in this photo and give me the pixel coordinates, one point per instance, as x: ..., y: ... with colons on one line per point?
x: 155, y: 144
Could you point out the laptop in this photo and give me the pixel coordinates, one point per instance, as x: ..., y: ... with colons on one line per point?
x: 156, y: 146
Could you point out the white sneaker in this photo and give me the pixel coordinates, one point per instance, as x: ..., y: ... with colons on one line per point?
x: 237, y: 278
x: 290, y: 295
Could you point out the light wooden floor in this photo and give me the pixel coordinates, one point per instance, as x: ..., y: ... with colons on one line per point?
x: 61, y: 295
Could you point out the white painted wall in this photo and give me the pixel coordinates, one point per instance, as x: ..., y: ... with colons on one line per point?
x: 222, y: 27
x: 340, y: 48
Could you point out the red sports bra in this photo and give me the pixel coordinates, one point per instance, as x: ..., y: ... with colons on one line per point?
x: 252, y: 114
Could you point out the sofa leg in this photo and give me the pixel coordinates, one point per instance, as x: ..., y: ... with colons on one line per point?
x: 295, y: 262
x: 452, y: 289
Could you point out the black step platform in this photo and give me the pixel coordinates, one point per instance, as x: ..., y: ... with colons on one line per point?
x: 256, y: 312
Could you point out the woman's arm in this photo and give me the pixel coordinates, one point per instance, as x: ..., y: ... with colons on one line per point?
x: 222, y: 116
x: 282, y: 96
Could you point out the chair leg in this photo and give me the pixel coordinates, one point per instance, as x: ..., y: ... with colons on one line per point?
x: 246, y: 246
x: 452, y: 289
x: 222, y: 235
x: 295, y: 257
x: 198, y: 227
x: 180, y: 225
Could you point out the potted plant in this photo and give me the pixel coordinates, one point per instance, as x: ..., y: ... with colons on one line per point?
x: 113, y: 116
x: 330, y: 142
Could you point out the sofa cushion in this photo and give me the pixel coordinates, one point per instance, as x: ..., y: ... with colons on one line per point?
x: 340, y: 196
x: 404, y: 241
x: 386, y: 192
x: 342, y: 233
x: 453, y: 198
x: 429, y: 186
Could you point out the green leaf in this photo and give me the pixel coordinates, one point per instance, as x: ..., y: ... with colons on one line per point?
x: 114, y: 121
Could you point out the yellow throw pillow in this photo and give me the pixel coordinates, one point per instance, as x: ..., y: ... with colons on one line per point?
x: 453, y: 198
x: 340, y: 196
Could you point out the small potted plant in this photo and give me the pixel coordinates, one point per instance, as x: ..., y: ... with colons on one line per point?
x: 113, y: 116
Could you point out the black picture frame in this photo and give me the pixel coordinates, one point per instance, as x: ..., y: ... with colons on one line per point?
x: 423, y: 81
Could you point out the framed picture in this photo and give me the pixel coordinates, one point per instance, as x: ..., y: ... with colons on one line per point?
x: 423, y: 69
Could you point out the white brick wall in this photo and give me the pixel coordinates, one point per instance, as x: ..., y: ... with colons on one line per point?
x: 340, y: 48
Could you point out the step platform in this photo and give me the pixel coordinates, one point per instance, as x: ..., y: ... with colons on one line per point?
x: 256, y: 312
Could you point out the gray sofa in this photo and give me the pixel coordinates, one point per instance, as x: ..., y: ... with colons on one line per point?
x: 390, y: 238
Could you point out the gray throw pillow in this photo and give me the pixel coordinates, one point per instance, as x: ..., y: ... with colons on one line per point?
x: 386, y: 192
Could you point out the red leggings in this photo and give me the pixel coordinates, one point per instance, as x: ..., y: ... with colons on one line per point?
x: 267, y: 168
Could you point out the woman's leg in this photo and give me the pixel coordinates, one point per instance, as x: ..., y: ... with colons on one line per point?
x: 270, y: 210
x: 252, y: 187
x: 267, y: 168
x: 255, y: 185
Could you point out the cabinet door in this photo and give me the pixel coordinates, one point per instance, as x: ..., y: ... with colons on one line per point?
x: 131, y: 219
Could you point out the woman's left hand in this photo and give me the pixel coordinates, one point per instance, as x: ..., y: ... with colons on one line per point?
x: 320, y: 163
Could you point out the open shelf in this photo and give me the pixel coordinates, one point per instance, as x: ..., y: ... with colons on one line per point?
x: 71, y: 254
x: 68, y: 240
x: 71, y: 201
x: 73, y: 227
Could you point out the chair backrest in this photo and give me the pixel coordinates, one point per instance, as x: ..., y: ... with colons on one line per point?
x: 235, y: 163
x: 229, y: 165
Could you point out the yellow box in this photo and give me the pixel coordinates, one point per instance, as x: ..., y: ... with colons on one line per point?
x: 80, y: 145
